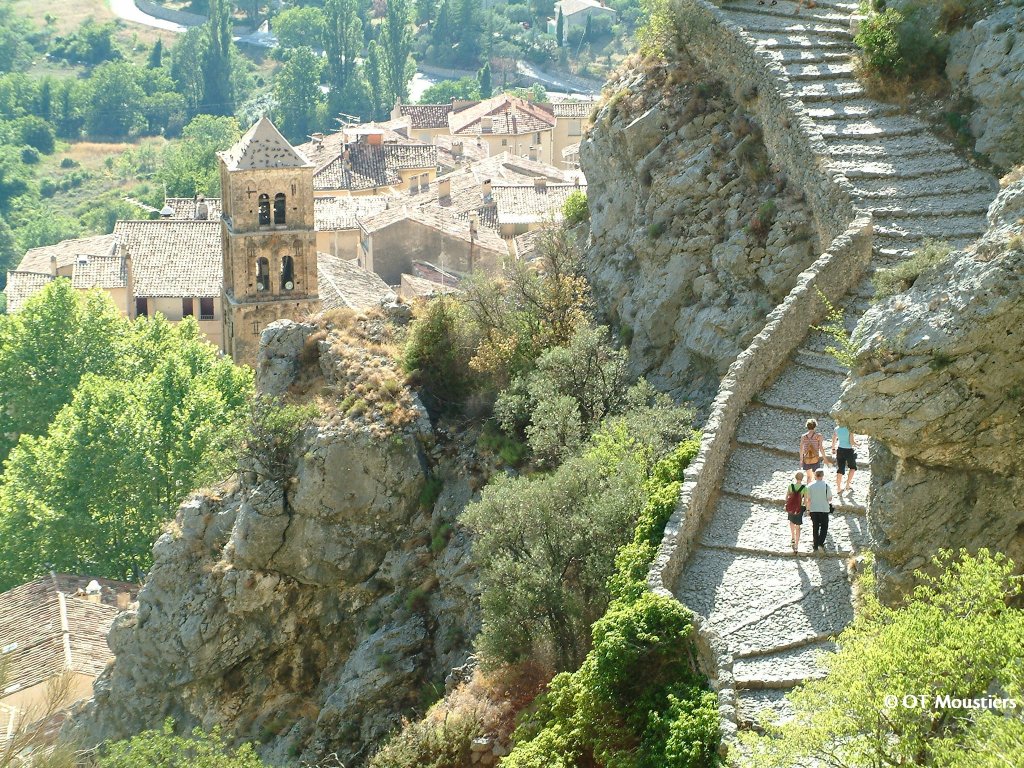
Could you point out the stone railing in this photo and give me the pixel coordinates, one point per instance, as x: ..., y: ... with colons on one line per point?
x: 759, y: 83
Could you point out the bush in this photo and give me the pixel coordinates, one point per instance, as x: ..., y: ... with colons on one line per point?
x: 575, y: 208
x: 902, y: 44
x: 956, y: 635
x: 162, y: 749
x: 901, y: 278
x: 274, y: 429
x: 36, y: 133
x: 437, y: 355
x: 761, y: 222
x: 638, y: 700
x: 429, y: 744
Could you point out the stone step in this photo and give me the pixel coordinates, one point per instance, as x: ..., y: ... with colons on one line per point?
x: 951, y: 204
x: 800, y: 388
x: 891, y: 249
x: 755, y: 21
x: 820, y: 361
x: 742, y: 526
x: 828, y: 91
x: 890, y: 148
x: 811, y: 56
x: 859, y: 109
x: 955, y: 181
x: 903, y: 169
x: 762, y: 475
x: 753, y: 706
x: 781, y: 670
x: 871, y: 129
x: 786, y: 9
x: 827, y: 71
x: 950, y: 226
x: 764, y: 603
x: 778, y: 430
x: 783, y: 41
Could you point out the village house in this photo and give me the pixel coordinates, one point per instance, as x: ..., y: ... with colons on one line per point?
x: 575, y: 14
x: 54, y: 627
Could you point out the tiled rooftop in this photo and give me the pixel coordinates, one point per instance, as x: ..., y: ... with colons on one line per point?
x: 173, y: 257
x: 66, y: 251
x: 509, y: 116
x: 525, y: 245
x: 98, y: 272
x: 186, y: 207
x: 263, y: 146
x: 571, y: 7
x: 528, y: 203
x: 454, y: 227
x: 345, y: 211
x: 22, y: 285
x: 573, y: 108
x: 35, y: 617
x: 426, y: 115
x: 345, y: 284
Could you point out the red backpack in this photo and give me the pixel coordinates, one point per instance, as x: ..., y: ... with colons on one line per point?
x: 793, y: 497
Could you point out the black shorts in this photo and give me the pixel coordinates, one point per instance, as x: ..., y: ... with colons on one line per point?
x: 798, y: 518
x: 845, y: 457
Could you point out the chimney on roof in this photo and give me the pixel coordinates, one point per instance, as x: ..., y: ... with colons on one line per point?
x: 540, y: 183
x: 202, y: 209
x: 485, y: 188
x: 444, y: 188
x: 375, y: 139
x: 124, y: 599
x: 53, y: 265
x: 457, y: 148
x: 129, y: 284
x: 486, y: 126
x: 166, y: 212
x: 93, y: 592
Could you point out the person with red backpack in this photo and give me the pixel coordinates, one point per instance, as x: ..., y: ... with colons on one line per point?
x: 796, y: 504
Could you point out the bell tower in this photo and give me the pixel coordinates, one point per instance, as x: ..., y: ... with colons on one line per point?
x: 268, y: 237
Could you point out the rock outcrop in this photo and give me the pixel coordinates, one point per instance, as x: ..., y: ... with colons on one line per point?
x: 695, y: 237
x: 306, y: 605
x: 941, y: 389
x: 986, y: 62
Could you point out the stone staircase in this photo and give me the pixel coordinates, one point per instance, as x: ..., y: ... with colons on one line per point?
x: 774, y: 610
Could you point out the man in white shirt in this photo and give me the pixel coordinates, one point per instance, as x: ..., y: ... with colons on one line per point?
x: 819, y: 497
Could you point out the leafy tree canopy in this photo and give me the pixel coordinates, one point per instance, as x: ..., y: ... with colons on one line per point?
x: 446, y: 90
x: 190, y: 166
x: 163, y: 749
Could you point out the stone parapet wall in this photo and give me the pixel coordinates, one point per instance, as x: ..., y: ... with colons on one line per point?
x: 760, y: 84
x: 834, y: 274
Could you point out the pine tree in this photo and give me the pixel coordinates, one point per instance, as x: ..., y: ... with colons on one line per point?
x: 218, y: 96
x: 156, y: 56
x: 560, y: 27
x: 587, y: 32
x: 484, y: 76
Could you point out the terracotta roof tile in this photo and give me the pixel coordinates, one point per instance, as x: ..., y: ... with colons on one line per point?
x: 426, y: 115
x: 98, y: 272
x: 509, y: 115
x: 22, y: 285
x: 186, y: 207
x: 528, y: 204
x: 173, y: 257
x: 344, y: 211
x: 38, y: 259
x: 572, y: 108
x: 346, y: 284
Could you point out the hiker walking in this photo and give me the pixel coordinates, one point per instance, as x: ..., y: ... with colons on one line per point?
x: 796, y: 505
x: 819, y: 502
x: 844, y: 445
x: 812, y: 448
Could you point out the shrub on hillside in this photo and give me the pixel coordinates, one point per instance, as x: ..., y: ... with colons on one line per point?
x: 889, y: 282
x: 163, y: 749
x: 903, y: 43
x: 437, y: 355
x: 959, y: 635
x: 575, y: 208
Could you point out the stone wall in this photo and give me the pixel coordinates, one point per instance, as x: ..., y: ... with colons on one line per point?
x: 759, y: 83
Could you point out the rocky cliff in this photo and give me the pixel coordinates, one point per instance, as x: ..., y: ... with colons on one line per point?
x: 940, y: 387
x: 309, y: 603
x: 694, y: 235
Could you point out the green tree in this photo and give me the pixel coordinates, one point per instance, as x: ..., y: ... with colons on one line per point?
x: 560, y: 28
x: 14, y: 177
x: 163, y: 749
x: 92, y: 493
x: 45, y: 350
x: 343, y: 43
x: 446, y: 90
x: 297, y: 92
x: 190, y: 165
x: 116, y: 99
x: 295, y: 27
x: 46, y: 225
x: 377, y: 81
x: 216, y: 60
x: 187, y: 67
x: 15, y: 49
x: 156, y: 55
x: 484, y: 77
x: 9, y: 252
x: 437, y: 355
x: 957, y: 635
x: 396, y: 39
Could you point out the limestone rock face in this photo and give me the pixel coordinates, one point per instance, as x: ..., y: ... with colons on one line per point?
x: 941, y: 386
x: 987, y: 63
x: 303, y: 612
x: 694, y: 236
